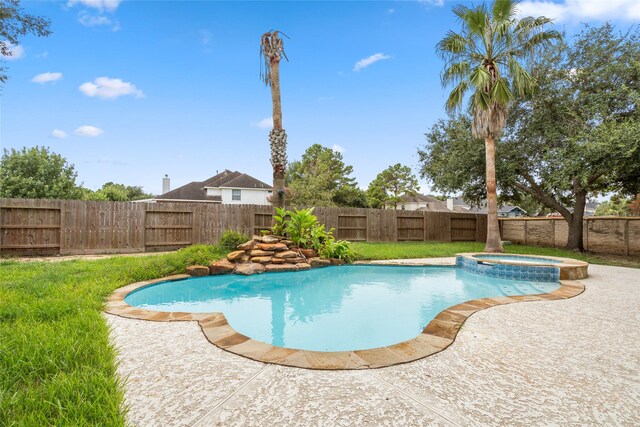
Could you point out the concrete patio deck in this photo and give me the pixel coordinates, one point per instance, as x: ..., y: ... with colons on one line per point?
x: 568, y: 362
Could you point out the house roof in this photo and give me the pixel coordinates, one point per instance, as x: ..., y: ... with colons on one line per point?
x: 196, y: 190
x: 433, y: 204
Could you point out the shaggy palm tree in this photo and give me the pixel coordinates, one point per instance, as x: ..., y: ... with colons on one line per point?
x: 484, y: 58
x: 272, y: 50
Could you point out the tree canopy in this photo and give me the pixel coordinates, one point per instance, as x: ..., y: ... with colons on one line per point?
x: 385, y: 190
x: 117, y: 193
x: 320, y: 178
x: 14, y: 24
x: 36, y: 173
x: 575, y: 138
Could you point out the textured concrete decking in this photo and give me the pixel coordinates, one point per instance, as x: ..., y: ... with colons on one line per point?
x: 568, y: 362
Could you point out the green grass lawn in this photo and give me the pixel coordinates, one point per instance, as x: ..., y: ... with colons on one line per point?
x: 403, y: 250
x: 56, y: 364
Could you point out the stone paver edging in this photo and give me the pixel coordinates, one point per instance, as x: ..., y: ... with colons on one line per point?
x: 436, y: 336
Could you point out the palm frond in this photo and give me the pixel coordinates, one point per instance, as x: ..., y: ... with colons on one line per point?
x: 480, y: 78
x: 500, y: 92
x: 456, y: 72
x: 476, y: 20
x: 502, y: 10
x: 457, y: 96
x: 452, y: 44
x: 523, y: 82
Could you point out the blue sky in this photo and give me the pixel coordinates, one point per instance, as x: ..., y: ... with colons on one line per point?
x: 129, y: 91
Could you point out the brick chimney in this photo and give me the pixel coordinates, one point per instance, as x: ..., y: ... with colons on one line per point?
x: 166, y: 184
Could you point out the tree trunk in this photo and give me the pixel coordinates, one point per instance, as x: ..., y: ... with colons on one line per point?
x: 278, y: 137
x: 575, y: 240
x: 275, y: 92
x: 494, y: 242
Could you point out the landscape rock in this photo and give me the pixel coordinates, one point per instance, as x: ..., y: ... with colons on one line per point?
x: 198, y: 270
x: 261, y: 259
x: 287, y: 254
x: 256, y: 238
x: 249, y: 268
x: 281, y: 267
x: 319, y: 262
x: 278, y: 260
x: 235, y: 255
x: 272, y: 247
x: 287, y: 242
x: 223, y: 266
x: 258, y: 252
x: 247, y: 246
x: 336, y: 261
x: 270, y: 239
x: 303, y: 266
x: 296, y: 260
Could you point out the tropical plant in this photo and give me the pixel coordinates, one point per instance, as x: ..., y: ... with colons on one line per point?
x: 272, y: 51
x: 340, y: 249
x: 279, y: 221
x: 484, y: 58
x: 299, y: 226
x: 231, y: 239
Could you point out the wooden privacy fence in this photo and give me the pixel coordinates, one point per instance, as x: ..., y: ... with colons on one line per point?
x: 68, y: 227
x: 607, y: 235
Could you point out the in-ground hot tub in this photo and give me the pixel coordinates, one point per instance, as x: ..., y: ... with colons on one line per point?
x: 527, y: 267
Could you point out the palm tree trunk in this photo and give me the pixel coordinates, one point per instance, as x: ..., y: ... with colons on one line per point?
x: 278, y: 137
x: 494, y: 242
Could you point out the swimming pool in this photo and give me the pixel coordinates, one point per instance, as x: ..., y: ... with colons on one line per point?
x: 344, y: 308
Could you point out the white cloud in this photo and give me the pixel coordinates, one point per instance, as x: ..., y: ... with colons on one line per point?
x: 338, y: 148
x: 108, y: 88
x: 391, y: 10
x: 17, y: 51
x: 108, y: 5
x: 580, y: 10
x: 364, y: 63
x: 46, y: 77
x: 266, y: 123
x: 58, y: 134
x: 90, y: 131
x: 93, y: 21
x: 43, y: 54
x: 431, y: 2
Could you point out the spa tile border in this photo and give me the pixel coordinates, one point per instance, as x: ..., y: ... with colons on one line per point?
x: 436, y: 336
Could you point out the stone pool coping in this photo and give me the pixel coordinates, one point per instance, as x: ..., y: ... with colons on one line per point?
x: 435, y: 337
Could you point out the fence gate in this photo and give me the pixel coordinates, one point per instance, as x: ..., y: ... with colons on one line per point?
x: 168, y: 229
x: 463, y: 229
x: 29, y: 230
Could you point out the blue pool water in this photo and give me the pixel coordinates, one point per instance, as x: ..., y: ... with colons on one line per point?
x: 517, y: 258
x: 335, y: 308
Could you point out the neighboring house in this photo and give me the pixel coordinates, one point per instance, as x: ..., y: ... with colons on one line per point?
x: 589, y: 210
x: 420, y: 202
x: 226, y: 187
x: 504, y: 211
x: 508, y: 211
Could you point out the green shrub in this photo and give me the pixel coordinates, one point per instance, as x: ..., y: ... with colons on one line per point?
x: 279, y: 221
x: 231, y: 239
x: 300, y: 225
x: 340, y: 249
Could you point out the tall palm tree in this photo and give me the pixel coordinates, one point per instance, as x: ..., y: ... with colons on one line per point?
x: 484, y: 58
x: 272, y: 50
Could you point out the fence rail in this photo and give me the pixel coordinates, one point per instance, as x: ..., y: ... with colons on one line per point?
x: 72, y: 227
x: 607, y: 235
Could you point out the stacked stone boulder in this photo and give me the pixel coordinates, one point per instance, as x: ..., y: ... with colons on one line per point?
x: 265, y: 254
